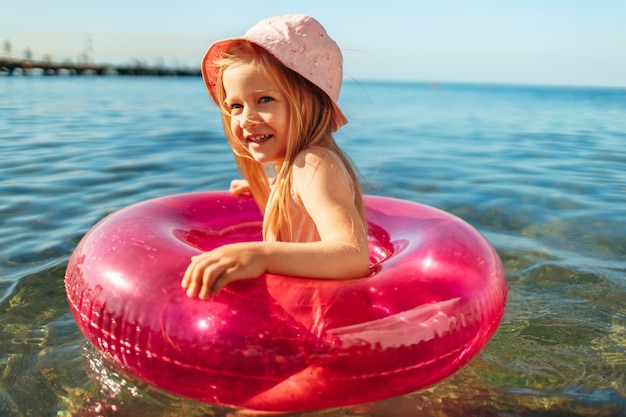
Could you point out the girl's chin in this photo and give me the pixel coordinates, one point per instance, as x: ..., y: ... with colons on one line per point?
x: 266, y: 159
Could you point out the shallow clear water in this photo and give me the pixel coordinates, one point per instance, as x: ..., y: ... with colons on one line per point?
x: 541, y: 171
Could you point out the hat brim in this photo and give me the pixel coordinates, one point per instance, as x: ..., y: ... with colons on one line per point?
x: 209, y: 69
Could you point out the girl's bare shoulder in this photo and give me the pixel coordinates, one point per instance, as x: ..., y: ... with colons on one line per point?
x: 319, y: 167
x: 316, y: 156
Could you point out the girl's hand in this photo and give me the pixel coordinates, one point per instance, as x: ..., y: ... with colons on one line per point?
x: 239, y: 187
x: 210, y: 271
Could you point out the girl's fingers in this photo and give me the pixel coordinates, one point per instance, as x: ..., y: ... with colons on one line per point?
x: 203, y: 273
x: 209, y: 272
x: 207, y: 284
x: 195, y: 276
x: 186, y: 281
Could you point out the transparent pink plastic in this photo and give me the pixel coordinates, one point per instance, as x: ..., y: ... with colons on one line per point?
x: 436, y: 295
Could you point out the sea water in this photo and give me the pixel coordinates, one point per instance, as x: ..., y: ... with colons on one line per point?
x: 539, y: 170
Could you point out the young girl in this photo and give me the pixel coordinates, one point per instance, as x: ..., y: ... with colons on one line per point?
x: 277, y: 87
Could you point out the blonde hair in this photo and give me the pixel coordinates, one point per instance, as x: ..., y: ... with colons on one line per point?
x: 310, y: 124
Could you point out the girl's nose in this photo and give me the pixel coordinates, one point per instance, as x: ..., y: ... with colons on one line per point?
x: 248, y: 118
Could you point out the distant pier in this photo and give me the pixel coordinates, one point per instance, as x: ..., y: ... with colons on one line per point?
x: 9, y: 66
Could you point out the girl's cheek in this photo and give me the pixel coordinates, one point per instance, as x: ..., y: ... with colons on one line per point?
x: 234, y: 127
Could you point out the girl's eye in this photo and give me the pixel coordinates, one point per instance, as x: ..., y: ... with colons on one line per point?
x: 265, y: 99
x: 234, y: 108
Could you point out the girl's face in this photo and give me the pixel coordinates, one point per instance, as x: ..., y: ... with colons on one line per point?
x: 259, y: 112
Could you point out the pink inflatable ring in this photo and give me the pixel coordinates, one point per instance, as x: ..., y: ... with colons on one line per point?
x: 435, y: 296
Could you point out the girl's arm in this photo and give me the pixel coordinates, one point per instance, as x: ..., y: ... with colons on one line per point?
x: 325, y: 190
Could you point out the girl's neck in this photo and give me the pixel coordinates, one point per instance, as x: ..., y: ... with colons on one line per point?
x: 271, y: 169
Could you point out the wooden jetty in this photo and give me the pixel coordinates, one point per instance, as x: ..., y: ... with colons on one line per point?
x: 9, y: 66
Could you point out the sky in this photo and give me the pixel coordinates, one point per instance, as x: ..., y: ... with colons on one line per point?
x: 546, y: 42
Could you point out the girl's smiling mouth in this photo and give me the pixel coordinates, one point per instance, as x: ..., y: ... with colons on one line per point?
x: 259, y: 138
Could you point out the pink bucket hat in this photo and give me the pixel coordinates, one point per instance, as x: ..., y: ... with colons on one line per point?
x: 298, y: 41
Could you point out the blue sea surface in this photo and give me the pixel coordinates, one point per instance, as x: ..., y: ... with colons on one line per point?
x: 540, y: 170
